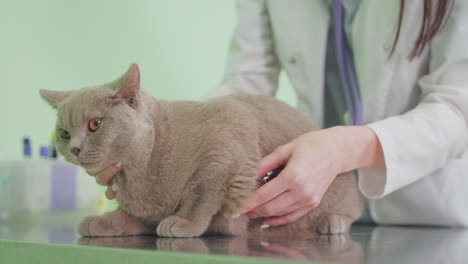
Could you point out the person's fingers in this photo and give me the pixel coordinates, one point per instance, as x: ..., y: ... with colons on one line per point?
x: 275, y: 159
x: 281, y: 205
x: 293, y: 207
x: 111, y: 192
x: 265, y: 193
x: 287, y: 218
x: 106, y: 175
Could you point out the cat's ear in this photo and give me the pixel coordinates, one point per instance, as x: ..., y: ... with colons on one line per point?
x: 54, y: 98
x: 128, y: 86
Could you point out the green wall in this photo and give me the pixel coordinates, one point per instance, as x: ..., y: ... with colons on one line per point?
x: 180, y: 46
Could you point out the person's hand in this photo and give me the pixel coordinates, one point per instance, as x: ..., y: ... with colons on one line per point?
x: 311, y: 165
x: 106, y: 175
x: 312, y: 161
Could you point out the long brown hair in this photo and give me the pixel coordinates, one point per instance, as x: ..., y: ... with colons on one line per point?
x: 432, y: 21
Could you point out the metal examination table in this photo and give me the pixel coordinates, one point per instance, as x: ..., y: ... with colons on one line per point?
x: 51, y: 238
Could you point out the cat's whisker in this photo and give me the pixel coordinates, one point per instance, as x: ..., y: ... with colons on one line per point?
x: 60, y: 162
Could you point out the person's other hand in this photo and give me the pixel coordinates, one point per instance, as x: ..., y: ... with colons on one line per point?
x: 310, y: 167
x: 312, y: 161
x: 105, y: 176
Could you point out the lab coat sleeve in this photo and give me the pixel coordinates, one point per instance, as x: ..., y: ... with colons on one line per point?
x: 252, y: 65
x: 435, y: 132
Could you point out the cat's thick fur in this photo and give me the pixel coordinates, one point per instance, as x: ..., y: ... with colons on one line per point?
x: 188, y: 166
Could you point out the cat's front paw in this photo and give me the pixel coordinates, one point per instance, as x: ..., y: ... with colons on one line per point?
x: 175, y: 226
x: 332, y: 224
x: 97, y: 226
x: 116, y: 223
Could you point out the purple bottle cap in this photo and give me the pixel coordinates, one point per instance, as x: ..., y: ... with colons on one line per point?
x: 44, y: 152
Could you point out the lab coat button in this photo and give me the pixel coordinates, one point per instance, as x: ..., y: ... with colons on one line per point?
x: 387, y: 46
x: 292, y: 60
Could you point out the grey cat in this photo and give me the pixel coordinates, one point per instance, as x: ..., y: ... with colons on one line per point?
x: 188, y: 166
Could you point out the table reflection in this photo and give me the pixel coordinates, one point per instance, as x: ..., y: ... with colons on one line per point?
x: 364, y: 244
x: 340, y: 248
x: 417, y: 245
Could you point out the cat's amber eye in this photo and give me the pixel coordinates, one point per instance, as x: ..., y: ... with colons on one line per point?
x: 94, y: 124
x: 64, y: 134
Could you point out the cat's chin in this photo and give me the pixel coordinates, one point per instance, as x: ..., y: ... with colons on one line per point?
x: 91, y: 168
x: 92, y: 171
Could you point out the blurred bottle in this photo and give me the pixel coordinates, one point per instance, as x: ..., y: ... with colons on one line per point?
x: 27, y: 147
x: 4, y: 194
x: 44, y: 152
x: 53, y: 149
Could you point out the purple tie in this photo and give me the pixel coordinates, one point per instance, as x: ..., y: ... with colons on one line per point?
x: 346, y: 67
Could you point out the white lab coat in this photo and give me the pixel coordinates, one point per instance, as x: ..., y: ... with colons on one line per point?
x: 418, y: 109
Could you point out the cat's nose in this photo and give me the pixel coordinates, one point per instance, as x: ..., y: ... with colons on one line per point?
x: 76, y: 151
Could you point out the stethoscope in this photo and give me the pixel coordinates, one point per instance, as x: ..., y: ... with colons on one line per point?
x: 347, y: 74
x: 346, y: 67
